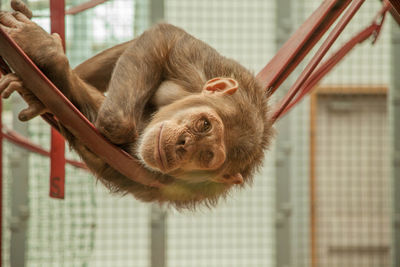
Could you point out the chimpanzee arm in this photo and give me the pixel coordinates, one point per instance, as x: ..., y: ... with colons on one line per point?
x: 137, y: 75
x: 97, y: 70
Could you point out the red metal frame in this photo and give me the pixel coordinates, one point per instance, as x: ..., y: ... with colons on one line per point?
x: 85, y: 6
x: 25, y: 143
x: 57, y: 151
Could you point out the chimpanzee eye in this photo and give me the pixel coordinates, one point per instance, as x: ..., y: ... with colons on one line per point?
x: 206, y: 125
x: 203, y: 125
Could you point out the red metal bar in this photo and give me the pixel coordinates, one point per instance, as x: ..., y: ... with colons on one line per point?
x: 300, y: 43
x: 356, y: 4
x: 25, y: 143
x: 69, y: 116
x: 82, y: 7
x: 57, y: 151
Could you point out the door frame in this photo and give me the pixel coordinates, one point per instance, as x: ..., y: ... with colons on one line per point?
x: 327, y: 90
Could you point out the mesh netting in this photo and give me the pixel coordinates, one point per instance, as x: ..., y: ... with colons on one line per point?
x: 338, y: 148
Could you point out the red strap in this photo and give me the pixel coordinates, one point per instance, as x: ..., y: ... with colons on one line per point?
x: 4, y: 69
x: 300, y: 43
x: 372, y: 30
x: 395, y: 10
x: 69, y: 116
x: 334, y: 34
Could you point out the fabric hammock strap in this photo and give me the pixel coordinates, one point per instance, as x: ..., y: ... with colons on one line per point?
x: 372, y: 30
x: 299, y: 44
x: 69, y: 116
x: 333, y: 35
x: 395, y: 11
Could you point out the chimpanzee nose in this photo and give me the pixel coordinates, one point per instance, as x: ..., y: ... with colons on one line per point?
x: 183, y: 148
x: 183, y: 141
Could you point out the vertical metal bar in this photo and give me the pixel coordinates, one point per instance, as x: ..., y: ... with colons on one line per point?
x: 57, y: 152
x: 158, y: 233
x: 394, y: 109
x: 283, y: 158
x: 19, y: 163
x: 156, y: 11
x: 19, y: 172
x: 313, y: 193
x: 158, y: 215
x: 57, y: 18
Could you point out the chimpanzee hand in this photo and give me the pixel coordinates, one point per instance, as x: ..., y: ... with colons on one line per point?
x: 10, y: 83
x: 44, y: 49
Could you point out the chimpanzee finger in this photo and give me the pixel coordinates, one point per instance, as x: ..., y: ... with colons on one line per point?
x: 5, y: 29
x: 8, y: 20
x: 35, y: 107
x: 30, y: 112
x: 20, y: 17
x: 11, y: 88
x: 6, y: 80
x: 18, y: 5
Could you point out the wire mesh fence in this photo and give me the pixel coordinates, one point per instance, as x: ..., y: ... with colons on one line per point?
x: 341, y: 156
x: 339, y: 211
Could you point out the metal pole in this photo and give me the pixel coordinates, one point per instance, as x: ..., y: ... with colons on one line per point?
x: 394, y: 111
x: 57, y: 151
x: 158, y: 215
x: 158, y: 233
x: 19, y: 163
x: 156, y: 11
x: 283, y: 158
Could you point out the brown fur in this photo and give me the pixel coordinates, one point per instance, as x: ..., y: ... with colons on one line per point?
x: 162, y: 53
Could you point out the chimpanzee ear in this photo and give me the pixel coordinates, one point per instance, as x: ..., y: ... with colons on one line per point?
x: 230, y: 179
x: 226, y: 86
